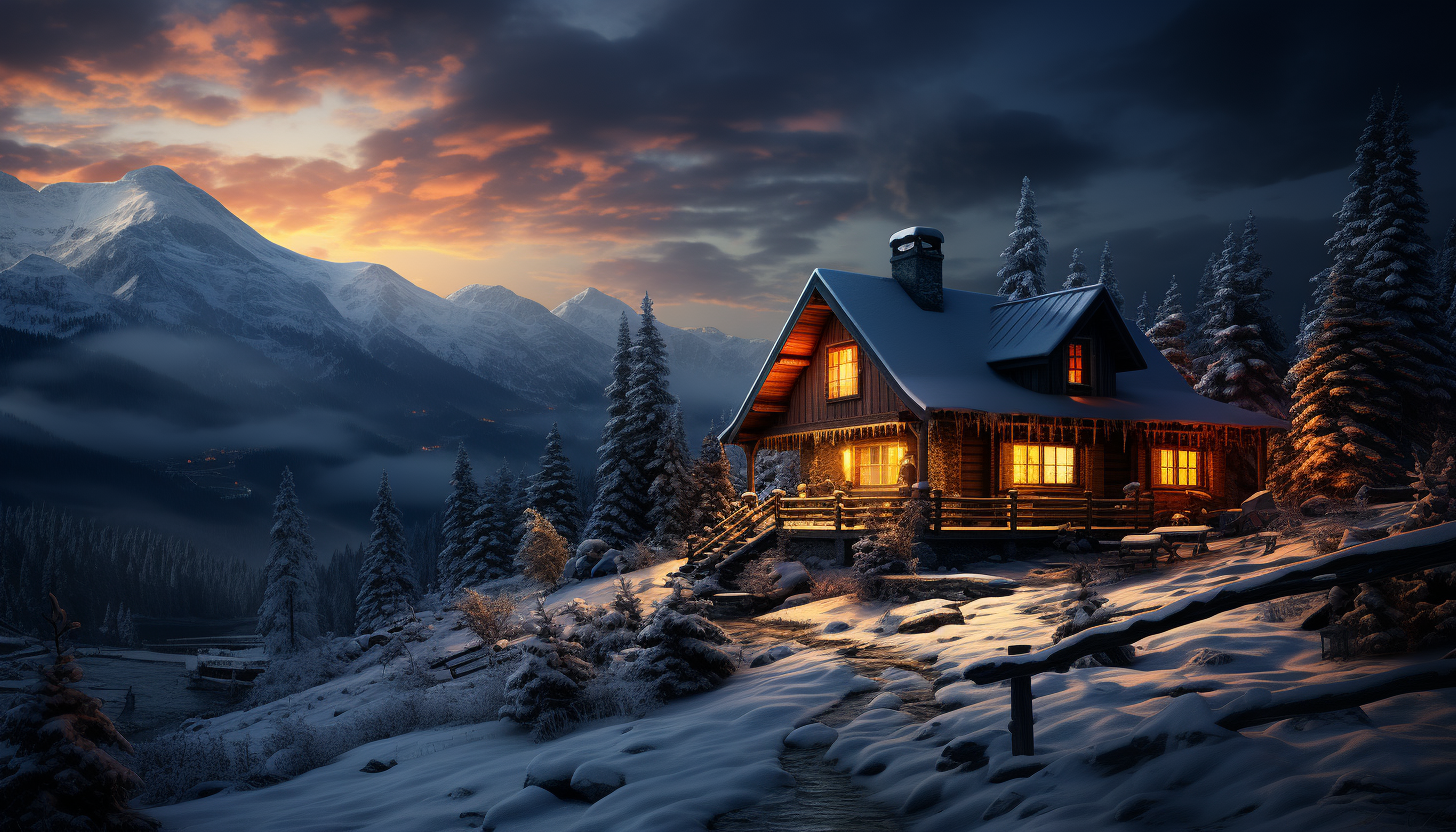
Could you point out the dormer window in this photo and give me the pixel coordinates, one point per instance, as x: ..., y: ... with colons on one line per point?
x: 842, y: 372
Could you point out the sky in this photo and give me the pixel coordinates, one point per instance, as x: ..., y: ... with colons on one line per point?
x: 713, y: 153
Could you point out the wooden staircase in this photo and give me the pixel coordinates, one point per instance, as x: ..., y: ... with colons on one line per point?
x: 748, y: 528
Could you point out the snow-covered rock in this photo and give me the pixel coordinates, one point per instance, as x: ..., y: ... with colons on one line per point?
x: 887, y: 701
x: 926, y: 622
x: 813, y: 735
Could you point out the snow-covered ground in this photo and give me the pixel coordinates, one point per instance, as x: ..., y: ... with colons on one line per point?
x: 1114, y: 745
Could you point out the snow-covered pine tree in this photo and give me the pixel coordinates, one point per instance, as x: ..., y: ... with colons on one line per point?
x: 60, y: 776
x: 492, y: 549
x: 126, y: 630
x: 1169, y: 332
x: 1246, y: 369
x: 712, y: 487
x: 683, y: 652
x: 289, y: 616
x: 651, y: 408
x: 386, y: 580
x: 1142, y: 314
x: 618, y: 507
x: 1076, y: 272
x: 108, y: 624
x: 668, y: 496
x: 1445, y: 268
x: 1198, y: 348
x: 1108, y: 278
x: 544, y: 693
x: 543, y: 553
x: 552, y: 492
x: 1396, y: 272
x: 460, y: 507
x: 614, y: 628
x: 1024, y: 272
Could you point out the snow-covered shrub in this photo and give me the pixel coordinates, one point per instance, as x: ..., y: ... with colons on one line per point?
x: 889, y: 548
x: 296, y: 672
x: 758, y: 577
x: 543, y: 552
x: 618, y: 689
x: 544, y: 691
x: 60, y: 775
x: 832, y: 584
x: 1432, y: 485
x: 1394, y: 615
x: 1089, y: 610
x: 490, y: 617
x: 172, y: 765
x: 607, y: 631
x: 683, y: 652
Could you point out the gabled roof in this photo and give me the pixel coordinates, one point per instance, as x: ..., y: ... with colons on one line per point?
x: 939, y: 360
x: 1035, y: 327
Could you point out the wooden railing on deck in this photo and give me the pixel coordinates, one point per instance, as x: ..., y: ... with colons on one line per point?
x: 1012, y: 512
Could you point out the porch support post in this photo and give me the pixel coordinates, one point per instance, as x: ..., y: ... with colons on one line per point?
x: 922, y: 454
x: 1263, y: 458
x: 751, y: 451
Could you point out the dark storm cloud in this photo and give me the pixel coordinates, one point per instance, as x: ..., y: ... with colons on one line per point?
x: 1263, y: 92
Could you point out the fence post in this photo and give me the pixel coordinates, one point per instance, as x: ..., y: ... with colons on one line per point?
x: 1022, y: 742
x: 839, y: 511
x: 778, y: 504
x: 936, y: 497
x: 1088, y: 495
x: 1012, y: 495
x: 1136, y: 512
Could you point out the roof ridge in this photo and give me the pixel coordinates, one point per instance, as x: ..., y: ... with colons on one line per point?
x: 1088, y: 287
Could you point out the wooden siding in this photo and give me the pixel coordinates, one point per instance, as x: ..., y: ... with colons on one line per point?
x: 807, y: 404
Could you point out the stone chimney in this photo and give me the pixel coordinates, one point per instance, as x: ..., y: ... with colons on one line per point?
x: 915, y: 260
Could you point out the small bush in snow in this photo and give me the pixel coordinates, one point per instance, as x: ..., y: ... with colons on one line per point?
x: 490, y: 617
x: 543, y: 693
x: 683, y: 652
x: 296, y: 672
x: 638, y: 556
x: 889, y: 549
x: 172, y: 765
x: 833, y: 584
x: 612, y: 629
x: 543, y: 552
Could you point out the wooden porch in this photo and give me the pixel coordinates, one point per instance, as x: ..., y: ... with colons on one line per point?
x: 948, y: 518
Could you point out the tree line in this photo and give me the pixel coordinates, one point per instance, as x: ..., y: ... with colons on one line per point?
x: 1371, y: 373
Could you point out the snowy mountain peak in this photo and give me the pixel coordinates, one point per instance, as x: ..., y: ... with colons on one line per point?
x: 595, y: 303
x: 10, y: 183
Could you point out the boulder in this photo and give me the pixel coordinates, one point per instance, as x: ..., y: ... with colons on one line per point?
x: 1259, y: 501
x: 522, y: 807
x: 836, y: 626
x: 607, y: 565
x: 795, y: 601
x: 813, y: 735
x: 887, y: 701
x: 584, y: 568
x: 595, y: 779
x: 1318, y: 506
x: 927, y: 622
x: 791, y: 576
x: 1356, y: 535
x: 771, y: 655
x: 592, y: 548
x: 376, y: 766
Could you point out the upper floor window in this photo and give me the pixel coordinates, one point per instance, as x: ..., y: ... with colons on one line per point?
x: 1043, y: 465
x: 843, y: 371
x: 1077, y: 363
x: 1177, y: 467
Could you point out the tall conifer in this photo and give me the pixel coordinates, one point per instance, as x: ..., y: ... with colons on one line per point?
x: 288, y: 617
x: 1168, y: 333
x: 1076, y: 271
x: 667, y: 498
x: 460, y: 506
x: 613, y: 516
x: 552, y: 492
x: 1108, y: 278
x: 1024, y: 272
x: 1246, y: 369
x: 386, y: 580
x: 651, y: 408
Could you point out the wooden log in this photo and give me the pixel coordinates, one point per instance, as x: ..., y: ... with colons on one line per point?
x: 1023, y: 744
x: 1337, y: 696
x: 1386, y: 558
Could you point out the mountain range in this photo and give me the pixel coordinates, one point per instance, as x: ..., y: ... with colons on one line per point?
x: 145, y: 324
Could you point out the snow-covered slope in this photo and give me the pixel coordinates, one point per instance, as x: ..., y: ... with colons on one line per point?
x: 41, y: 296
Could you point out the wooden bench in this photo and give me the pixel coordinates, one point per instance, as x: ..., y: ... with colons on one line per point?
x: 1172, y: 535
x: 1135, y: 549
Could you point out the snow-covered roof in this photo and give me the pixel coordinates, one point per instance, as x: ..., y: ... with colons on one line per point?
x: 1035, y: 327
x: 939, y: 360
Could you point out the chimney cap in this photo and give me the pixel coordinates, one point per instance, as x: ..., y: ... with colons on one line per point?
x: 916, y: 231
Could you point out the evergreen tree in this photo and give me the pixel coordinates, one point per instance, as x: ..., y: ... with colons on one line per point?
x: 683, y: 652
x: 338, y: 585
x: 1024, y: 272
x: 108, y: 624
x: 1198, y: 344
x: 1169, y: 331
x: 544, y: 693
x: 668, y: 506
x: 615, y: 513
x: 543, y: 553
x: 712, y: 487
x: 1246, y: 369
x: 460, y: 507
x: 126, y: 629
x: 1142, y: 314
x: 289, y: 615
x: 1077, y: 271
x: 651, y: 411
x: 1108, y: 278
x: 60, y: 776
x: 552, y: 492
x: 1396, y: 274
x: 1345, y: 414
x: 492, y: 532
x: 1446, y: 276
x: 386, y: 580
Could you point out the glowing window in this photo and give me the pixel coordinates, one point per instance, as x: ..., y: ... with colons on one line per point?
x: 1043, y: 465
x: 877, y: 464
x: 843, y: 367
x: 1076, y: 364
x: 1177, y: 467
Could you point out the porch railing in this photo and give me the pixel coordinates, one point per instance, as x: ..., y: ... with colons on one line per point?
x: 1012, y: 512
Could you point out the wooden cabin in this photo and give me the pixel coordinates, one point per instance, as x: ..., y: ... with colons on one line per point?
x: 1052, y: 396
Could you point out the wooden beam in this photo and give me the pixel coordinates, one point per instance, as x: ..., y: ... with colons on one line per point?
x: 793, y: 361
x: 765, y: 407
x: 1337, y: 696
x: 1386, y: 558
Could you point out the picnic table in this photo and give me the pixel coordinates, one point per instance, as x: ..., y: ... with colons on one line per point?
x: 1173, y: 535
